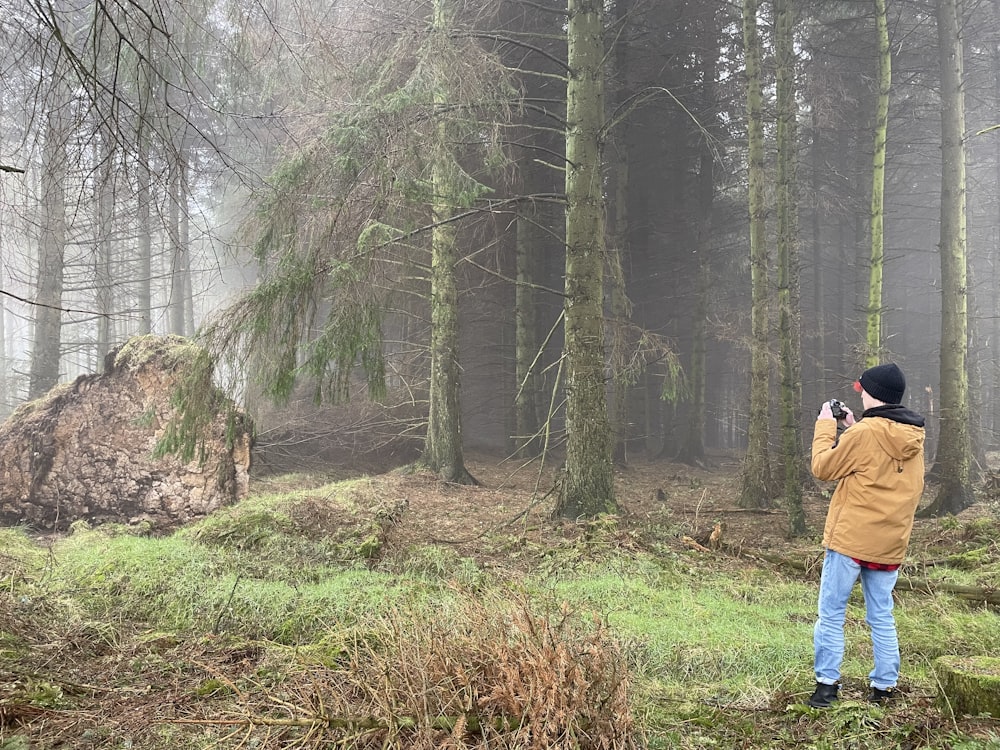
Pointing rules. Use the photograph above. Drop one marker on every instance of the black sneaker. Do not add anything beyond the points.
(877, 695)
(824, 695)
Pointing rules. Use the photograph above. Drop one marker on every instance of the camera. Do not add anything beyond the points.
(837, 407)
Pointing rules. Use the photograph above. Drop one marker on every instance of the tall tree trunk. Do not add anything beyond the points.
(45, 353)
(536, 242)
(873, 327)
(621, 378)
(443, 446)
(693, 446)
(527, 412)
(755, 479)
(844, 285)
(953, 463)
(187, 281)
(178, 256)
(143, 196)
(5, 368)
(103, 276)
(992, 422)
(819, 296)
(788, 327)
(588, 485)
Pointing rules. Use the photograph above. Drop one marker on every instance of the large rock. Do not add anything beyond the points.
(86, 450)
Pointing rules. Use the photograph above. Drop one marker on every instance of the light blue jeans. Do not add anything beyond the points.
(840, 573)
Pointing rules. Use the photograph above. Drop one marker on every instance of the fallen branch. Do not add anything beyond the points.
(689, 542)
(984, 594)
(798, 566)
(18, 674)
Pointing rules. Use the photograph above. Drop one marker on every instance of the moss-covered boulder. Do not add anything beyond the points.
(970, 684)
(92, 449)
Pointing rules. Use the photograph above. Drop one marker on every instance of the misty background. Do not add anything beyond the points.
(149, 148)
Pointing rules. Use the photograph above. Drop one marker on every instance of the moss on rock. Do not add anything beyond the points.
(170, 350)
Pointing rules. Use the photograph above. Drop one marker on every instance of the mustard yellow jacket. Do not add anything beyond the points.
(879, 462)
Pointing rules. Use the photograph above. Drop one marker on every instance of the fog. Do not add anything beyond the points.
(149, 155)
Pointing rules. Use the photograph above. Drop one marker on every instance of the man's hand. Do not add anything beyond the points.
(826, 413)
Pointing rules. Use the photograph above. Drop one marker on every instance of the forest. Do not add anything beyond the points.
(647, 229)
(530, 291)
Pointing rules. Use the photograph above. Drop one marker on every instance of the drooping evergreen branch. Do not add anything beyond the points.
(505, 39)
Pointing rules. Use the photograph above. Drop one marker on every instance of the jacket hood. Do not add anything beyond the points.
(898, 430)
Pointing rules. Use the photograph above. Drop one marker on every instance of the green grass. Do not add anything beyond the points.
(18, 551)
(719, 653)
(710, 649)
(179, 583)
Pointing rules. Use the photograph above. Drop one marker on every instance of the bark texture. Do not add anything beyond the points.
(953, 463)
(755, 480)
(790, 345)
(46, 349)
(873, 336)
(588, 489)
(85, 450)
(443, 448)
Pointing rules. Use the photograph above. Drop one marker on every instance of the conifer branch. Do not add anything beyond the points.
(517, 43)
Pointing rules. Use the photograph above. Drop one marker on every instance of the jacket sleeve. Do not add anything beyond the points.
(831, 459)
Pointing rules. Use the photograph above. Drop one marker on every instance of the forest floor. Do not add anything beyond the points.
(689, 501)
(72, 676)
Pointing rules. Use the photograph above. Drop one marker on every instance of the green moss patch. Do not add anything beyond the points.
(970, 684)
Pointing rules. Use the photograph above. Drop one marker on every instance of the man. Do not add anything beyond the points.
(879, 462)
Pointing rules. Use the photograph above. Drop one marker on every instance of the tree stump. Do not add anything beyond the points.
(970, 684)
(87, 450)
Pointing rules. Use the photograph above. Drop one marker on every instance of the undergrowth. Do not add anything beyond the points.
(286, 621)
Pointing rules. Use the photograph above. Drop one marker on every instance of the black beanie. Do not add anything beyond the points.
(884, 382)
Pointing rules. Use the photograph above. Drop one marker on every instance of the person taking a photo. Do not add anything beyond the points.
(878, 464)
